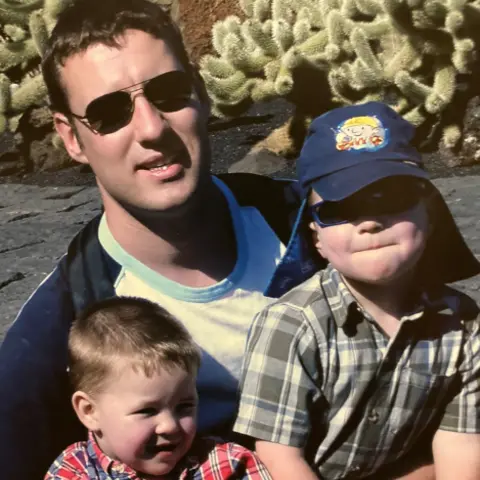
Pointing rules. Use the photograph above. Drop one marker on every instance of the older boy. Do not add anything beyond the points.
(346, 373)
(133, 369)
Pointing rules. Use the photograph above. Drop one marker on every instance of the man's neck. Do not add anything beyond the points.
(386, 304)
(196, 249)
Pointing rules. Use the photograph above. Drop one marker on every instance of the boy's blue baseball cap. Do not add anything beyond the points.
(348, 148)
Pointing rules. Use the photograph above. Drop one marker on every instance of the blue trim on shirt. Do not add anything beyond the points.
(174, 289)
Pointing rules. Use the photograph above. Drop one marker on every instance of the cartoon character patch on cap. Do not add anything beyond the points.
(361, 133)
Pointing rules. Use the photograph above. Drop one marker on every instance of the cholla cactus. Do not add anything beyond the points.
(417, 55)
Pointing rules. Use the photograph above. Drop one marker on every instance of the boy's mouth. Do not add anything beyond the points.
(164, 447)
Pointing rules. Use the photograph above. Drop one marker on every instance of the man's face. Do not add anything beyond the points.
(375, 249)
(159, 159)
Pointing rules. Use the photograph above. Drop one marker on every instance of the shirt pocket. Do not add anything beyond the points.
(417, 399)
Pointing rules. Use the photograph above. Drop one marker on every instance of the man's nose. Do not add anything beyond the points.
(149, 123)
(167, 424)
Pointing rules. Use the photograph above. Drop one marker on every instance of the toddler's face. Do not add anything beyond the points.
(373, 248)
(147, 423)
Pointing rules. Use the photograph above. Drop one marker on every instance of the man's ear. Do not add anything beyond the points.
(86, 410)
(69, 136)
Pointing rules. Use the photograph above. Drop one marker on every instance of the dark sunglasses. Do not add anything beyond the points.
(382, 198)
(168, 92)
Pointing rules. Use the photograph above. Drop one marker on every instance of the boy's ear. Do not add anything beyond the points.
(86, 410)
(316, 237)
(69, 135)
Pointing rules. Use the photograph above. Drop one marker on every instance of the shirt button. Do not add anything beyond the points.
(373, 416)
(355, 468)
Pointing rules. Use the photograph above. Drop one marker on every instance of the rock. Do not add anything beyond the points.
(45, 156)
(263, 162)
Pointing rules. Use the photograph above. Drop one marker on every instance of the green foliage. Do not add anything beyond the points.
(318, 54)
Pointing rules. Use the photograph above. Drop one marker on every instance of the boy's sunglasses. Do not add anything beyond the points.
(168, 92)
(381, 198)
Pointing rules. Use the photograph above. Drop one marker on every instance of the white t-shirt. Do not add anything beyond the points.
(218, 317)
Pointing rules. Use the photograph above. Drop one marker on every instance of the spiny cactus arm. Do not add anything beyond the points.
(362, 77)
(251, 62)
(335, 27)
(15, 32)
(373, 30)
(282, 34)
(262, 10)
(282, 10)
(365, 54)
(247, 7)
(339, 85)
(263, 90)
(8, 16)
(14, 53)
(369, 7)
(407, 58)
(217, 67)
(12, 122)
(465, 55)
(31, 92)
(39, 32)
(223, 88)
(4, 93)
(444, 85)
(451, 135)
(3, 123)
(221, 29)
(315, 44)
(253, 29)
(416, 116)
(412, 88)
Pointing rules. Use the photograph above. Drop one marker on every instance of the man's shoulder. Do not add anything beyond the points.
(43, 313)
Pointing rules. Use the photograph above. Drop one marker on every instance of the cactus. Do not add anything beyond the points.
(408, 53)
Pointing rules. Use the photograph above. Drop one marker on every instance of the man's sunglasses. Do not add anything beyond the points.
(388, 197)
(168, 92)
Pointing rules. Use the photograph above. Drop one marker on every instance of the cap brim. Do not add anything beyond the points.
(346, 182)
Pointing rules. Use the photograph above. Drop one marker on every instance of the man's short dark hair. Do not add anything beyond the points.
(84, 23)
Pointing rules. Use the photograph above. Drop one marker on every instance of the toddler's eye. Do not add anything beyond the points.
(147, 411)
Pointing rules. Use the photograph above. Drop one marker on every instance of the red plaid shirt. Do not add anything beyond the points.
(207, 460)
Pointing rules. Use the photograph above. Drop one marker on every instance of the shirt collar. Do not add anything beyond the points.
(119, 471)
(111, 467)
(344, 306)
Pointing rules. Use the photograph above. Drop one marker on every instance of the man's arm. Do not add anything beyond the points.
(284, 462)
(456, 455)
(36, 418)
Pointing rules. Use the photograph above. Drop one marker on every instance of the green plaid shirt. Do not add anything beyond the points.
(319, 374)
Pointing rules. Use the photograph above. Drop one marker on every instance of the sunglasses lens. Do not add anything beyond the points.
(110, 112)
(331, 213)
(383, 198)
(169, 92)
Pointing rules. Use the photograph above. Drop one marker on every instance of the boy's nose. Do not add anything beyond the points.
(370, 226)
(167, 424)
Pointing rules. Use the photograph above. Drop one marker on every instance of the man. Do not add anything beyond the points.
(212, 251)
(127, 102)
